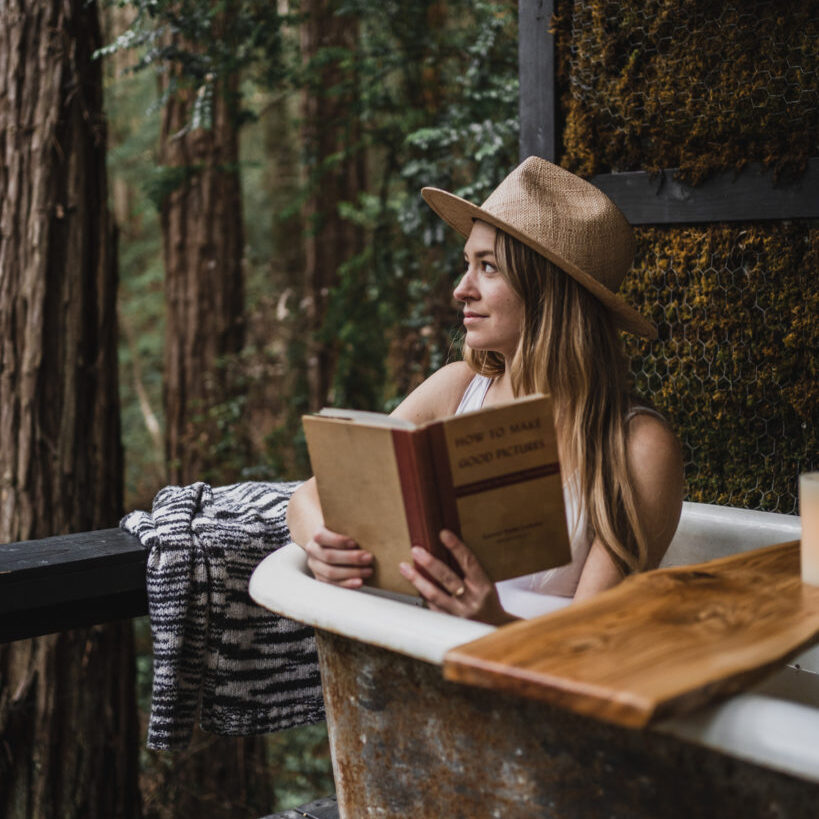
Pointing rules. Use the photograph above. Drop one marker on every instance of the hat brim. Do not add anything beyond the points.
(460, 214)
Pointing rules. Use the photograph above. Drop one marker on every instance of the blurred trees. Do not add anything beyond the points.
(203, 246)
(437, 106)
(329, 280)
(335, 169)
(68, 727)
(347, 108)
(200, 51)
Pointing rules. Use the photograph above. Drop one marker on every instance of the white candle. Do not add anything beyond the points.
(809, 512)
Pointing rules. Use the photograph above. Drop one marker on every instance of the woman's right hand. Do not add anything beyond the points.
(337, 559)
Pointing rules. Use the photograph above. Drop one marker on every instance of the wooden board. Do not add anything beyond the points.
(753, 194)
(69, 581)
(659, 644)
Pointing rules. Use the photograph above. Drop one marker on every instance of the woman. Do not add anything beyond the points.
(543, 258)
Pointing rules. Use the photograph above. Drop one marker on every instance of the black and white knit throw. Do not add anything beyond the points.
(248, 669)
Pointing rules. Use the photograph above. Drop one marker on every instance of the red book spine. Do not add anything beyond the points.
(445, 491)
(415, 475)
(446, 507)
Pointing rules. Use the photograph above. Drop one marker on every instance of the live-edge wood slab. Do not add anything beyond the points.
(659, 644)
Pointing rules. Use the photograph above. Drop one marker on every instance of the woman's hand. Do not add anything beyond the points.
(337, 559)
(474, 596)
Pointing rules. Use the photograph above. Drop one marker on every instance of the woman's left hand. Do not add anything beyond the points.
(474, 596)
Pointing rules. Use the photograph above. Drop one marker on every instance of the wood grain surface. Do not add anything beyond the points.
(659, 644)
(70, 581)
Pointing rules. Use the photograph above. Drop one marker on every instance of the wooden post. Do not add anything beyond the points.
(538, 134)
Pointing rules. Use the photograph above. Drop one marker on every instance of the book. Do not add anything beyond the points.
(492, 476)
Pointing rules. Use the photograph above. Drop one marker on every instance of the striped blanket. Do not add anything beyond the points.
(249, 670)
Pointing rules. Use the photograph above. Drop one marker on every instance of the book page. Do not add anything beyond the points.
(507, 488)
(360, 491)
(378, 419)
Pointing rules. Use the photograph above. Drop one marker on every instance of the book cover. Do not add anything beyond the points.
(492, 476)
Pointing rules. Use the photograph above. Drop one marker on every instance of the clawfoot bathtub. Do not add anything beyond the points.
(405, 742)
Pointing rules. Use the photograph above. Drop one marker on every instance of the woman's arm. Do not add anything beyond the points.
(304, 512)
(336, 558)
(656, 469)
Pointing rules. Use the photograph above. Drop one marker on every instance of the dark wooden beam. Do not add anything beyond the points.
(748, 196)
(69, 581)
(537, 80)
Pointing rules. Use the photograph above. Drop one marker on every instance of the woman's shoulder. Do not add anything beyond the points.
(438, 395)
(655, 467)
(654, 451)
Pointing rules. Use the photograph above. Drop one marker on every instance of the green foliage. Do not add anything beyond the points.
(434, 87)
(165, 179)
(438, 106)
(202, 46)
(300, 760)
(433, 90)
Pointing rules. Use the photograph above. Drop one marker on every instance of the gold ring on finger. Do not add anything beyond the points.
(459, 592)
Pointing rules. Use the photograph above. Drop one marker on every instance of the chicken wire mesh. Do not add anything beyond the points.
(735, 366)
(693, 84)
(703, 87)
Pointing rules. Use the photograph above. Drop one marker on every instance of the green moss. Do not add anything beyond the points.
(735, 368)
(650, 84)
(705, 87)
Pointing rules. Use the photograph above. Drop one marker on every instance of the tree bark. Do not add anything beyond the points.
(203, 244)
(336, 173)
(203, 247)
(68, 727)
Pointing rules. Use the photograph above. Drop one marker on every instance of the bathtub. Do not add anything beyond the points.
(406, 742)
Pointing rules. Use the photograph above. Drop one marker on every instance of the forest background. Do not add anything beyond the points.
(325, 279)
(260, 210)
(343, 111)
(210, 224)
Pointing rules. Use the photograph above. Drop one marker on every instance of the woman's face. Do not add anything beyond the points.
(493, 312)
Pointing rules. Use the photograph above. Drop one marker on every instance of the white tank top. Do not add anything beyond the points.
(474, 394)
(561, 581)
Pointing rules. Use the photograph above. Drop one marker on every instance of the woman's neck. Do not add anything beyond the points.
(500, 390)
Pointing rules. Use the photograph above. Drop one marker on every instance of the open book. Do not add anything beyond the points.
(491, 476)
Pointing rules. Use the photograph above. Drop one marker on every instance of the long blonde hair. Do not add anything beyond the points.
(569, 348)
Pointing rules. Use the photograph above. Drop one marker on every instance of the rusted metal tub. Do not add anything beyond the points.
(405, 742)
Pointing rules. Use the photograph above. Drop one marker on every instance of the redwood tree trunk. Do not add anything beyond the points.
(335, 166)
(203, 246)
(203, 243)
(68, 728)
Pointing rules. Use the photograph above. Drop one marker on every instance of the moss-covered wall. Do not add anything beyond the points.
(710, 86)
(735, 367)
(690, 84)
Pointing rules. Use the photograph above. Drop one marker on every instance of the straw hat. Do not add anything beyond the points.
(565, 219)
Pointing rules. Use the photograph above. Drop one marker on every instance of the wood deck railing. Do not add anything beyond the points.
(69, 581)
